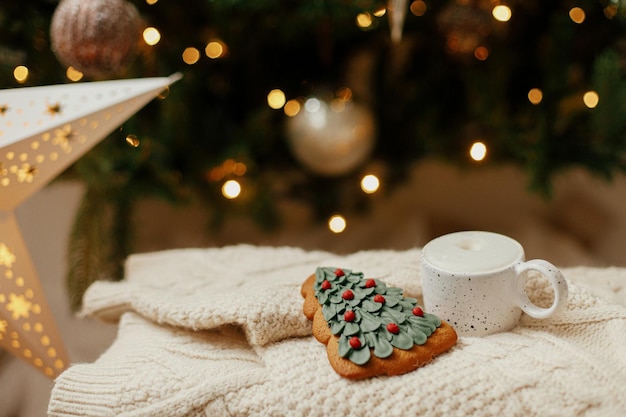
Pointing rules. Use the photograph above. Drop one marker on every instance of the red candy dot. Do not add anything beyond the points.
(355, 342)
(326, 284)
(349, 316)
(379, 298)
(393, 328)
(347, 295)
(370, 283)
(417, 311)
(339, 272)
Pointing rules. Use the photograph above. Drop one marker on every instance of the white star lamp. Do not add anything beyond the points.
(43, 130)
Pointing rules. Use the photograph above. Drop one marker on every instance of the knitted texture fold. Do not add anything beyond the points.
(218, 332)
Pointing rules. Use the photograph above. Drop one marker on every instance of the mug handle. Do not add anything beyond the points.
(553, 275)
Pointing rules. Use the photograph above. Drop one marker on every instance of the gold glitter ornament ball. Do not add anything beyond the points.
(97, 37)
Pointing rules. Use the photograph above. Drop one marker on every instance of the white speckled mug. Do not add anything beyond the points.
(476, 281)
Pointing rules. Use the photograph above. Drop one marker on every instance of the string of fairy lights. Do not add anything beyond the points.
(216, 48)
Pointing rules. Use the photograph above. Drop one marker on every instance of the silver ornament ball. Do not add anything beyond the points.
(331, 138)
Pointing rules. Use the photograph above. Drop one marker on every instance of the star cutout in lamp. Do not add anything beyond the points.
(43, 130)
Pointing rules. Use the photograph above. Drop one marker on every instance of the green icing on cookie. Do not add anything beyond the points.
(367, 315)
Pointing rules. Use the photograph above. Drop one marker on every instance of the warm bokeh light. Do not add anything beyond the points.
(535, 95)
(73, 74)
(591, 99)
(132, 140)
(610, 11)
(502, 13)
(337, 105)
(151, 2)
(370, 184)
(276, 99)
(418, 8)
(481, 53)
(191, 55)
(364, 20)
(151, 36)
(164, 93)
(478, 151)
(228, 167)
(231, 189)
(20, 73)
(292, 108)
(344, 93)
(381, 11)
(337, 223)
(239, 169)
(577, 15)
(215, 49)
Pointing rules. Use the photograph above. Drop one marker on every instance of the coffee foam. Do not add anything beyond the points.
(472, 252)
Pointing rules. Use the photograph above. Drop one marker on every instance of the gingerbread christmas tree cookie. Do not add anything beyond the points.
(369, 328)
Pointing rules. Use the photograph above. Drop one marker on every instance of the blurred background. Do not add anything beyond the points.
(340, 126)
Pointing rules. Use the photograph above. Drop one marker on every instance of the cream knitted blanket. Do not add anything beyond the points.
(220, 332)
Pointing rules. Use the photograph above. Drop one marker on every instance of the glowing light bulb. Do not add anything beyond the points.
(151, 36)
(501, 13)
(337, 224)
(191, 55)
(591, 99)
(478, 151)
(370, 184)
(276, 99)
(231, 189)
(151, 2)
(20, 73)
(535, 95)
